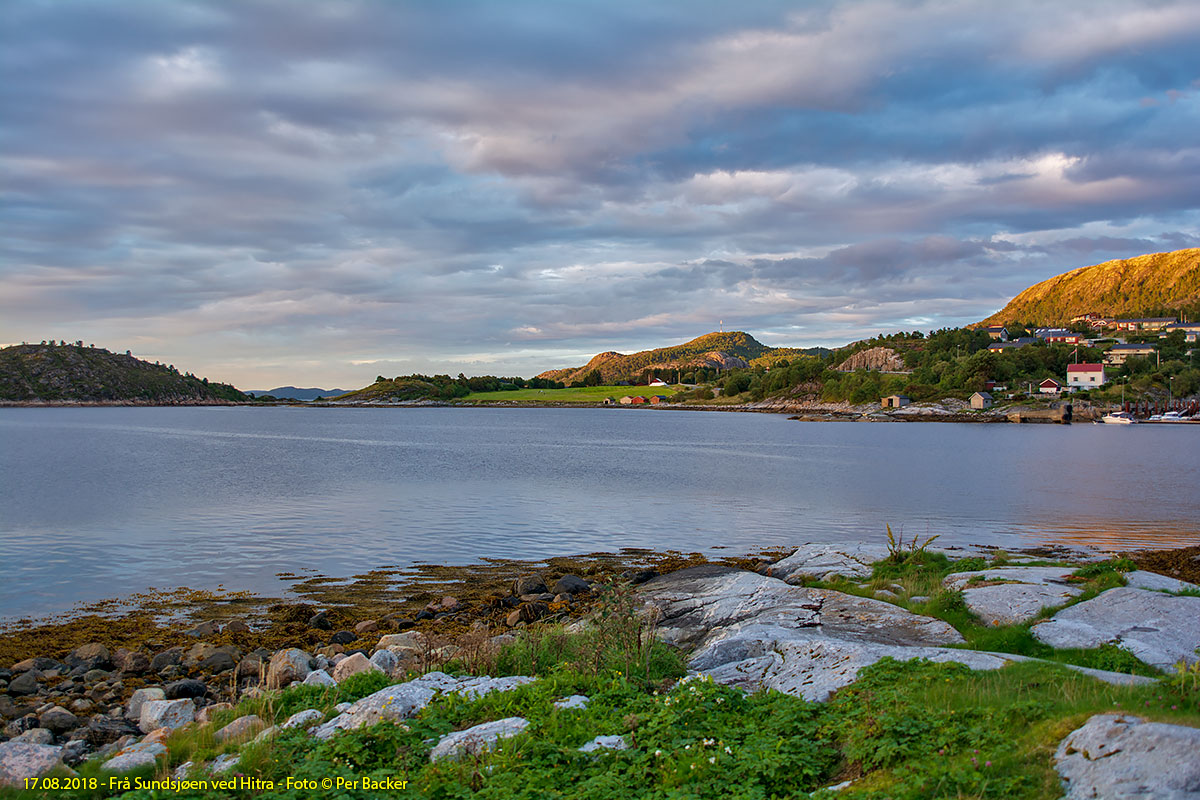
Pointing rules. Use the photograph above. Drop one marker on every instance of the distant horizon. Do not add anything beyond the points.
(286, 192)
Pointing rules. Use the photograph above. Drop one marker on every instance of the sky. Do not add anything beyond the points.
(272, 192)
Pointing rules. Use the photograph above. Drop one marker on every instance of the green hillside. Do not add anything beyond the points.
(394, 390)
(74, 373)
(1158, 284)
(719, 351)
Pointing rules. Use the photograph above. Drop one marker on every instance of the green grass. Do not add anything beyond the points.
(588, 394)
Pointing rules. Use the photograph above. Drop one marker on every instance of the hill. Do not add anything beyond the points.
(400, 389)
(293, 393)
(1158, 284)
(74, 373)
(717, 351)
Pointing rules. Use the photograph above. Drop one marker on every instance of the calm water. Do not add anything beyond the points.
(102, 502)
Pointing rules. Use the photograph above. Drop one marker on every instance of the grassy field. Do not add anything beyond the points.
(589, 394)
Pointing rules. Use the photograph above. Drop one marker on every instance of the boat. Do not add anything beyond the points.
(1119, 418)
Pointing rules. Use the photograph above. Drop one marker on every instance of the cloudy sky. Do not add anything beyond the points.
(273, 192)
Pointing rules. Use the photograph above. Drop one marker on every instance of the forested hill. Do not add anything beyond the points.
(59, 372)
(1158, 284)
(720, 351)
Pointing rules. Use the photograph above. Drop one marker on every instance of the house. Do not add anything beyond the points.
(1085, 376)
(658, 399)
(1143, 323)
(638, 400)
(610, 401)
(894, 401)
(1191, 330)
(997, 332)
(1058, 335)
(1118, 353)
(626, 400)
(658, 382)
(981, 400)
(1050, 386)
(1015, 344)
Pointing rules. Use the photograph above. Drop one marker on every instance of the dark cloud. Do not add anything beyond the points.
(280, 191)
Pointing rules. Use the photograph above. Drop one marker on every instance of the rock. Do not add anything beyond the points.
(1037, 576)
(218, 662)
(237, 626)
(206, 628)
(319, 677)
(82, 706)
(188, 687)
(574, 701)
(366, 626)
(401, 701)
(1031, 590)
(544, 597)
(59, 720)
(133, 662)
(74, 751)
(571, 584)
(224, 763)
(170, 714)
(26, 683)
(303, 719)
(90, 656)
(1141, 579)
(205, 715)
(320, 620)
(385, 660)
(252, 667)
(21, 760)
(1115, 756)
(240, 728)
(287, 666)
(413, 640)
(886, 594)
(636, 577)
(95, 675)
(477, 739)
(266, 733)
(167, 658)
(36, 736)
(819, 561)
(352, 666)
(1160, 629)
(134, 708)
(183, 770)
(342, 637)
(605, 743)
(135, 756)
(39, 663)
(528, 584)
(513, 619)
(528, 612)
(101, 730)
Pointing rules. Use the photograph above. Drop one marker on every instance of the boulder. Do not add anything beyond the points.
(352, 666)
(206, 628)
(385, 660)
(135, 756)
(1116, 756)
(1037, 576)
(133, 662)
(58, 720)
(237, 626)
(366, 626)
(101, 730)
(133, 710)
(401, 701)
(529, 584)
(90, 656)
(170, 714)
(1021, 597)
(575, 701)
(220, 661)
(224, 763)
(319, 677)
(571, 584)
(320, 620)
(205, 715)
(172, 657)
(818, 561)
(477, 739)
(240, 728)
(39, 663)
(1141, 579)
(342, 637)
(287, 666)
(188, 687)
(303, 719)
(1160, 629)
(26, 683)
(36, 736)
(21, 760)
(605, 743)
(413, 640)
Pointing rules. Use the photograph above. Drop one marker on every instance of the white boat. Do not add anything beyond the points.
(1119, 418)
(1172, 416)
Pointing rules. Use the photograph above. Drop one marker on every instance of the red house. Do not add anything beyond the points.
(1049, 386)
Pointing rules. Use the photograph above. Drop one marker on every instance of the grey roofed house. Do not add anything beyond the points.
(981, 400)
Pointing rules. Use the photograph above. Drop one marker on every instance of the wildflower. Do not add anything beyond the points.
(712, 759)
(727, 750)
(687, 747)
(987, 763)
(658, 752)
(709, 742)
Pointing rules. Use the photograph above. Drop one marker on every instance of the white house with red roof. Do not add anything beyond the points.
(1049, 386)
(1085, 376)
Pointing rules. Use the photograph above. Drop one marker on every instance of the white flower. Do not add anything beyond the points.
(727, 750)
(712, 759)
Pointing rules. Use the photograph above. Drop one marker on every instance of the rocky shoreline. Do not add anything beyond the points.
(765, 623)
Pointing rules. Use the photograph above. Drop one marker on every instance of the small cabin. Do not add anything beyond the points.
(658, 399)
(638, 400)
(894, 401)
(1050, 386)
(981, 400)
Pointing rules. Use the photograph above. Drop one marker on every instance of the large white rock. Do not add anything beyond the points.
(133, 710)
(816, 561)
(21, 760)
(403, 700)
(135, 756)
(1037, 576)
(319, 677)
(605, 743)
(1120, 757)
(303, 719)
(1142, 579)
(1158, 628)
(386, 660)
(170, 714)
(240, 728)
(477, 739)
